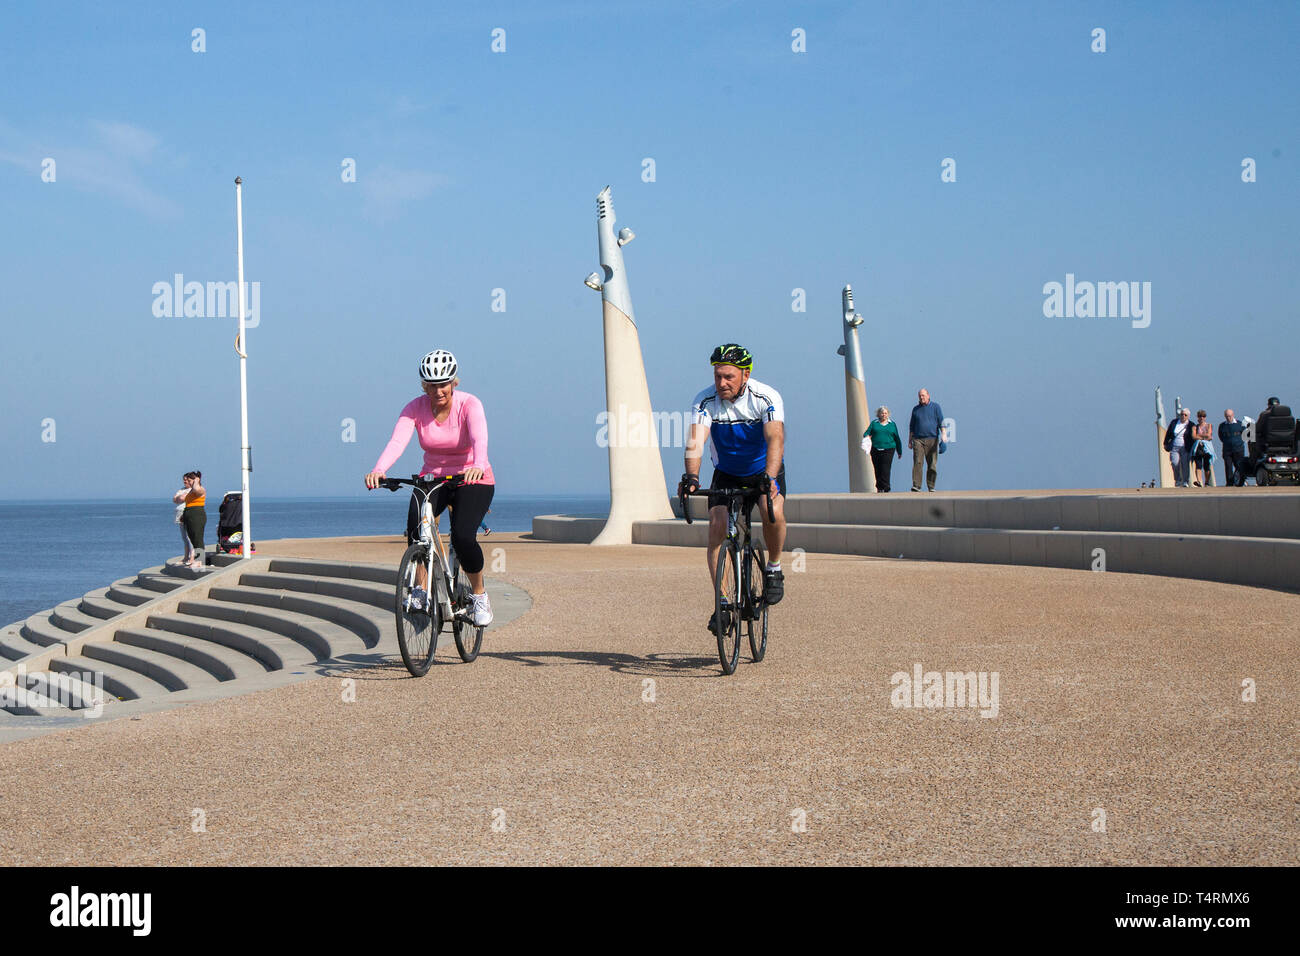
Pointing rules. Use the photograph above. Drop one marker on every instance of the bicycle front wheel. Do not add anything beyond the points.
(727, 608)
(417, 630)
(756, 605)
(469, 638)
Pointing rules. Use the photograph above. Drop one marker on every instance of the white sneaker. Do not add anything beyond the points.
(482, 610)
(415, 601)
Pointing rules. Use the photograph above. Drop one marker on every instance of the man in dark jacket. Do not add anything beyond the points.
(1234, 449)
(1179, 442)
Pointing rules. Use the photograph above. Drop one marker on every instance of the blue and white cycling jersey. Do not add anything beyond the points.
(737, 445)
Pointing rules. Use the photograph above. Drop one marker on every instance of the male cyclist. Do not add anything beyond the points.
(745, 421)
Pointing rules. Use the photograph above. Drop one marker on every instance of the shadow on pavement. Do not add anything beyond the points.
(619, 663)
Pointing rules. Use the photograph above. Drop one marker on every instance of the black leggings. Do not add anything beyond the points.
(469, 504)
(882, 460)
(194, 521)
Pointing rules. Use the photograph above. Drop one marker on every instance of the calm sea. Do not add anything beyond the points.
(51, 552)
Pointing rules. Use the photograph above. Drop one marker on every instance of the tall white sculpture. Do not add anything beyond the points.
(637, 491)
(1166, 470)
(862, 474)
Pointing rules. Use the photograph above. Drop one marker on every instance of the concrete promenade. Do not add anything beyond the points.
(1119, 695)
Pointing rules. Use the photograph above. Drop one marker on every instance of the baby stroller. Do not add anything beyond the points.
(230, 524)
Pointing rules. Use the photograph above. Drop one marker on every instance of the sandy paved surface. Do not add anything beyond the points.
(1118, 692)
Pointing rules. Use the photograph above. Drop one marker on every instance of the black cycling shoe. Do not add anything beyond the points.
(773, 587)
(726, 620)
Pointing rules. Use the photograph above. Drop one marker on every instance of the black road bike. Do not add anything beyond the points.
(738, 589)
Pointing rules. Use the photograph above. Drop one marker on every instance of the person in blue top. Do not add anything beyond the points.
(924, 433)
(744, 422)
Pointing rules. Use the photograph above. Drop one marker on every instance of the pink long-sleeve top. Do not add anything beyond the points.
(450, 447)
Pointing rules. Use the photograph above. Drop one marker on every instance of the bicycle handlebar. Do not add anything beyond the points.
(420, 481)
(726, 493)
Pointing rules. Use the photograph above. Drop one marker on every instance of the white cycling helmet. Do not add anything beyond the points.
(438, 366)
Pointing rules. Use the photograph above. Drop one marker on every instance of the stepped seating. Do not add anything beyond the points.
(168, 630)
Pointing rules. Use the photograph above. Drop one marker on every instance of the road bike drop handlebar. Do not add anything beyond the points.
(725, 493)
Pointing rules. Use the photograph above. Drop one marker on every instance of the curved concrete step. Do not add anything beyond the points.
(64, 692)
(40, 630)
(366, 592)
(321, 636)
(121, 682)
(172, 672)
(274, 651)
(67, 617)
(222, 662)
(183, 573)
(14, 646)
(126, 591)
(98, 604)
(35, 704)
(364, 620)
(378, 574)
(152, 579)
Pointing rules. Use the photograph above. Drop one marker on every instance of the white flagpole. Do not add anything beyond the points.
(246, 458)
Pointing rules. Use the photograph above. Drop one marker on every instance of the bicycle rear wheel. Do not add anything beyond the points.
(417, 631)
(727, 607)
(756, 605)
(469, 638)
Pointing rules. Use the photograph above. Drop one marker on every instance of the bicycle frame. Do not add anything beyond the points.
(445, 558)
(739, 504)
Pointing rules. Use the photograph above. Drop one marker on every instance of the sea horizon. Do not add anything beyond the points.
(56, 550)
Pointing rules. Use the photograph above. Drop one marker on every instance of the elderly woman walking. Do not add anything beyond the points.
(881, 439)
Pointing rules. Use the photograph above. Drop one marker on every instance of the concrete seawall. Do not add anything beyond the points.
(1236, 536)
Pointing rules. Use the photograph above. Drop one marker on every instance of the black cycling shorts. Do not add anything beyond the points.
(722, 479)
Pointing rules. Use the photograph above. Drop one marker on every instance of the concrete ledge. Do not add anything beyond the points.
(570, 529)
(1248, 512)
(1258, 562)
(1234, 535)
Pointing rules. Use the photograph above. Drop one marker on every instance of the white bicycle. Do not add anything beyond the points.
(445, 600)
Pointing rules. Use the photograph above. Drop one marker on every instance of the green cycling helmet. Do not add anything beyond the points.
(732, 354)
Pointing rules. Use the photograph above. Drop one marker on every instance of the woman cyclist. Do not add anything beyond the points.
(453, 433)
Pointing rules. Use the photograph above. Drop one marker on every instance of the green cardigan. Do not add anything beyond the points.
(883, 436)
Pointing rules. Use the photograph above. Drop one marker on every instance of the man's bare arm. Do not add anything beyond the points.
(699, 434)
(774, 432)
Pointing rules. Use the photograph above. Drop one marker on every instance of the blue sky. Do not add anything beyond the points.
(774, 170)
